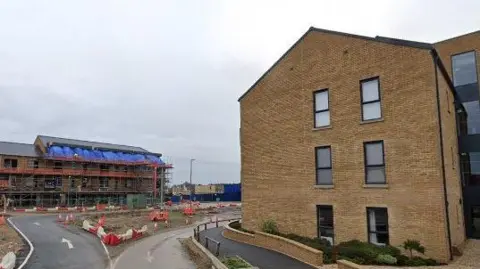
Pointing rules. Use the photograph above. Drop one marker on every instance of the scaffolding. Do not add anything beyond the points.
(49, 182)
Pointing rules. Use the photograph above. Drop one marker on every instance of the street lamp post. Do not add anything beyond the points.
(191, 185)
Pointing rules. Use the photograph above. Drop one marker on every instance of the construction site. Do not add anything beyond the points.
(62, 172)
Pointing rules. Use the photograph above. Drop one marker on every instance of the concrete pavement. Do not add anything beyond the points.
(157, 251)
(85, 250)
(162, 251)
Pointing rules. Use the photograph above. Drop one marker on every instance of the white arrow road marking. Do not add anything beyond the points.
(149, 257)
(36, 223)
(69, 243)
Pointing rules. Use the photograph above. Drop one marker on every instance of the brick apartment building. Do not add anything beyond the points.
(377, 139)
(56, 171)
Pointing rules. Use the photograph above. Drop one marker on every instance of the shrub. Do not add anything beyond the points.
(416, 261)
(411, 245)
(386, 259)
(238, 226)
(432, 262)
(235, 263)
(270, 226)
(402, 260)
(367, 251)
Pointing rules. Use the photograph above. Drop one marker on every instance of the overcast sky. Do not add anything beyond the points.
(167, 75)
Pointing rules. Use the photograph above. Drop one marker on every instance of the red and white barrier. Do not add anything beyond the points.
(8, 261)
(111, 238)
(180, 207)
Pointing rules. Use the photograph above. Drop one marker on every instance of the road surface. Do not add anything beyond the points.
(60, 247)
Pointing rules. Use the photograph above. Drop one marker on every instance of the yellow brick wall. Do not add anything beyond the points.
(278, 141)
(446, 49)
(452, 163)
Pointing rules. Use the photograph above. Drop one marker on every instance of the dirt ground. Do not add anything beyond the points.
(10, 240)
(119, 223)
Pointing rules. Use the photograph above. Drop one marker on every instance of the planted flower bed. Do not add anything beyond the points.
(355, 251)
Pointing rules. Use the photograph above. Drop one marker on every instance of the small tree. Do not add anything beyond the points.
(411, 245)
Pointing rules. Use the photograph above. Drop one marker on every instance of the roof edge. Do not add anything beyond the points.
(458, 36)
(444, 72)
(381, 39)
(274, 64)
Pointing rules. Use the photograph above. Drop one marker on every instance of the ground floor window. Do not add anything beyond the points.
(377, 220)
(325, 222)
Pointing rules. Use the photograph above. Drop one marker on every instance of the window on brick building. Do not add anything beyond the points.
(374, 162)
(464, 68)
(10, 163)
(103, 182)
(377, 221)
(323, 160)
(321, 108)
(371, 102)
(325, 222)
(32, 164)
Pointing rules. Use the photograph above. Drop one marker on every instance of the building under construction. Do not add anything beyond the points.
(57, 171)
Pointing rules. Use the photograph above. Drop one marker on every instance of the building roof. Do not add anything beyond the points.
(387, 40)
(46, 140)
(18, 149)
(459, 36)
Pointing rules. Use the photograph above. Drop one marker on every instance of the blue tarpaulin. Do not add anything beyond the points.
(86, 154)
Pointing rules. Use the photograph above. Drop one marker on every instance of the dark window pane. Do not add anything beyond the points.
(378, 225)
(382, 239)
(473, 116)
(374, 152)
(325, 216)
(323, 158)
(464, 69)
(321, 100)
(471, 168)
(324, 176)
(325, 222)
(370, 91)
(327, 232)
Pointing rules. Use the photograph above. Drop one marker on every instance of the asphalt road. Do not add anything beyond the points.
(256, 256)
(51, 253)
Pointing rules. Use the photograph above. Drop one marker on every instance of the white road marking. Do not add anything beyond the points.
(26, 239)
(149, 257)
(110, 264)
(36, 223)
(69, 243)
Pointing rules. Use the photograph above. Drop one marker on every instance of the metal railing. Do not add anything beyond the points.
(217, 245)
(196, 234)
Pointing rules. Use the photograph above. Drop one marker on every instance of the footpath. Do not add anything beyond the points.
(256, 256)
